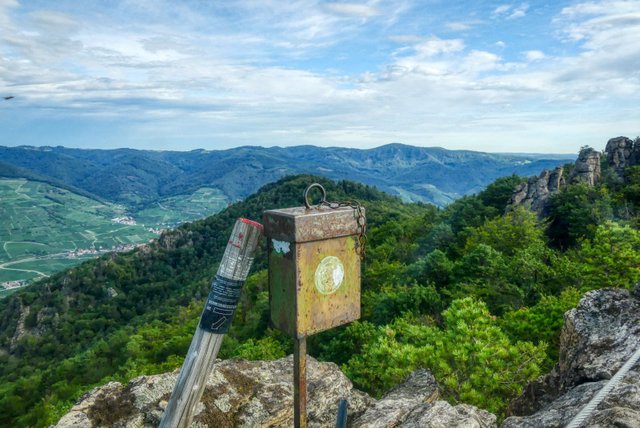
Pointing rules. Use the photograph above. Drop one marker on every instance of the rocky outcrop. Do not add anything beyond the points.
(413, 404)
(20, 327)
(598, 337)
(621, 152)
(238, 394)
(259, 393)
(587, 167)
(534, 194)
(394, 407)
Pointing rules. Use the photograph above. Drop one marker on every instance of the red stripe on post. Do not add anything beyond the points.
(252, 223)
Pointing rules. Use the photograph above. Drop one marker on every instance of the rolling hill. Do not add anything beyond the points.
(138, 178)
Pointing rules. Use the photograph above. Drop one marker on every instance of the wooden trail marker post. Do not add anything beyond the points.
(314, 274)
(214, 324)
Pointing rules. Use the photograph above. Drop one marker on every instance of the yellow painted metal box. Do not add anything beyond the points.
(314, 267)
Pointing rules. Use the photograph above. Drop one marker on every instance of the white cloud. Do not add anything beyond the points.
(459, 26)
(353, 10)
(519, 11)
(534, 55)
(196, 80)
(502, 9)
(509, 11)
(405, 38)
(436, 46)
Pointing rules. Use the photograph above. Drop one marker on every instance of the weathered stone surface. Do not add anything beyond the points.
(621, 408)
(598, 337)
(536, 191)
(587, 167)
(238, 394)
(621, 153)
(420, 387)
(443, 415)
(413, 404)
(259, 393)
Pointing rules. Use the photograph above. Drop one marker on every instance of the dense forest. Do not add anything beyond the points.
(138, 178)
(474, 292)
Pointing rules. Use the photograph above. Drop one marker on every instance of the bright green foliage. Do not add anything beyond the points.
(497, 194)
(534, 271)
(612, 259)
(467, 212)
(388, 302)
(266, 348)
(476, 361)
(509, 233)
(472, 359)
(576, 212)
(340, 344)
(541, 322)
(483, 273)
(631, 189)
(435, 267)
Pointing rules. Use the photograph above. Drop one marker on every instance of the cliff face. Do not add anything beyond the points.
(620, 153)
(534, 194)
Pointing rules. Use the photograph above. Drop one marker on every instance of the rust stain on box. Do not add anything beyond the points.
(314, 268)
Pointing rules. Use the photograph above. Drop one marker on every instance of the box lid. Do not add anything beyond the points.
(301, 224)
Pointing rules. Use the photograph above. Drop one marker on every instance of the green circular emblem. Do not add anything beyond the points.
(329, 275)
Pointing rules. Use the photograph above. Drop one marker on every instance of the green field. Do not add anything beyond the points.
(170, 212)
(42, 226)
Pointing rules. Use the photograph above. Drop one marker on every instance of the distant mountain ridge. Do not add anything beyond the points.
(139, 177)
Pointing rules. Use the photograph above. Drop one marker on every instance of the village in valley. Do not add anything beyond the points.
(77, 253)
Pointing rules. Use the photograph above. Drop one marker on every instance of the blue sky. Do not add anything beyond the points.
(494, 76)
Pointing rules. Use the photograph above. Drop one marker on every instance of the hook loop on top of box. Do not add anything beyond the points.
(306, 195)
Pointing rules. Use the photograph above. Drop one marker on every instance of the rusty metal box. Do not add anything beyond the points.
(314, 268)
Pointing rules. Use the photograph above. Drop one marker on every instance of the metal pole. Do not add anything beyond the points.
(214, 324)
(341, 420)
(300, 383)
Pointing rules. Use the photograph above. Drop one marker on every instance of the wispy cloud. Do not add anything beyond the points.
(461, 26)
(353, 10)
(502, 9)
(509, 11)
(360, 74)
(534, 55)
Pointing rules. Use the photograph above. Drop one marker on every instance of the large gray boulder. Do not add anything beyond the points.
(239, 393)
(598, 337)
(414, 404)
(587, 167)
(621, 153)
(259, 394)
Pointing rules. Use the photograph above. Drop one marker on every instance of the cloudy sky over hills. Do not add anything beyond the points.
(531, 76)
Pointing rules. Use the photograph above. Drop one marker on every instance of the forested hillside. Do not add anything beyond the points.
(138, 178)
(474, 294)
